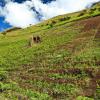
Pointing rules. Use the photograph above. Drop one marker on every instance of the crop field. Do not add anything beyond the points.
(58, 59)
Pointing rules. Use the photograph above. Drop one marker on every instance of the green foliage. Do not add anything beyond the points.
(3, 75)
(64, 18)
(6, 86)
(37, 96)
(81, 14)
(4, 33)
(61, 66)
(83, 98)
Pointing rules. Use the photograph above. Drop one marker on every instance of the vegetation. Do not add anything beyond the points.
(65, 65)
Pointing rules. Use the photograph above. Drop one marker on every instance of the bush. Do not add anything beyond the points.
(98, 9)
(50, 26)
(93, 9)
(3, 33)
(81, 14)
(53, 22)
(64, 18)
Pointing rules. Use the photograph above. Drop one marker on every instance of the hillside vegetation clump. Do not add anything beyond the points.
(58, 59)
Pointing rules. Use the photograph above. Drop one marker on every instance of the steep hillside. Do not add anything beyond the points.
(58, 59)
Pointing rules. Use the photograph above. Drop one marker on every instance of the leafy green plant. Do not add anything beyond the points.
(83, 98)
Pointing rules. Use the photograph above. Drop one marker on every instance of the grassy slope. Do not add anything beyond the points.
(65, 65)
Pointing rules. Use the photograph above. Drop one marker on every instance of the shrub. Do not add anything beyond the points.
(81, 14)
(98, 9)
(53, 22)
(50, 26)
(3, 33)
(93, 9)
(64, 18)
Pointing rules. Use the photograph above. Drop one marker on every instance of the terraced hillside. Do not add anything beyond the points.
(63, 65)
